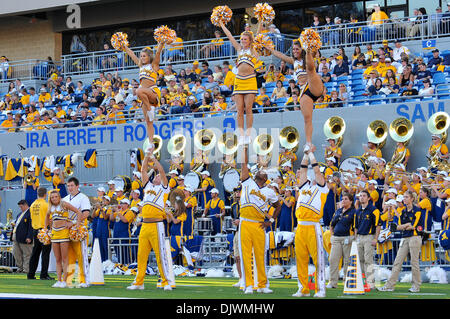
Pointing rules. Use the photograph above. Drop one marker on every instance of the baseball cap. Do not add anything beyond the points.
(181, 177)
(387, 60)
(195, 63)
(174, 171)
(73, 113)
(435, 50)
(119, 189)
(214, 190)
(444, 173)
(399, 198)
(137, 191)
(205, 173)
(106, 197)
(110, 182)
(288, 163)
(372, 181)
(339, 57)
(125, 201)
(189, 188)
(385, 41)
(55, 168)
(391, 202)
(331, 158)
(392, 190)
(101, 189)
(134, 209)
(137, 174)
(423, 169)
(375, 60)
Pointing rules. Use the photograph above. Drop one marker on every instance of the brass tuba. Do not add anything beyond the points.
(438, 123)
(176, 144)
(400, 130)
(377, 132)
(334, 128)
(263, 144)
(205, 139)
(289, 137)
(228, 143)
(157, 142)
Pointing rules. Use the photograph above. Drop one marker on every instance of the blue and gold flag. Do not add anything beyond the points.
(90, 158)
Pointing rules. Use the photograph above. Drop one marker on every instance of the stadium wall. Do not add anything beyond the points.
(24, 38)
(114, 143)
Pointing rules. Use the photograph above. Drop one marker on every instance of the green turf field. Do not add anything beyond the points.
(201, 288)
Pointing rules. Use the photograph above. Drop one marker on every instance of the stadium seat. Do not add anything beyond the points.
(343, 78)
(439, 78)
(357, 72)
(281, 101)
(270, 85)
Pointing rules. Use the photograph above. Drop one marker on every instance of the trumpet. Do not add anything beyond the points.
(29, 178)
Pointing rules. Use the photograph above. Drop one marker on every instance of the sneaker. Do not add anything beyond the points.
(330, 286)
(413, 289)
(248, 290)
(237, 285)
(167, 287)
(384, 288)
(57, 284)
(136, 287)
(264, 290)
(320, 294)
(63, 284)
(83, 285)
(300, 294)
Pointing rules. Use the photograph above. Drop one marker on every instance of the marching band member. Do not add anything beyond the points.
(119, 195)
(390, 208)
(245, 85)
(58, 217)
(333, 150)
(367, 229)
(308, 237)
(406, 223)
(341, 228)
(31, 187)
(335, 189)
(97, 207)
(331, 166)
(200, 159)
(287, 214)
(111, 189)
(103, 228)
(205, 191)
(416, 183)
(255, 198)
(428, 249)
(176, 163)
(310, 82)
(78, 249)
(288, 174)
(152, 231)
(286, 155)
(135, 197)
(58, 181)
(372, 150)
(228, 163)
(235, 210)
(137, 184)
(438, 149)
(177, 218)
(148, 92)
(123, 217)
(215, 209)
(173, 180)
(190, 202)
(180, 182)
(373, 192)
(402, 151)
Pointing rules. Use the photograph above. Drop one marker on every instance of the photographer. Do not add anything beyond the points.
(341, 230)
(408, 223)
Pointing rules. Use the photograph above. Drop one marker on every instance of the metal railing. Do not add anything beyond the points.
(32, 69)
(403, 29)
(187, 52)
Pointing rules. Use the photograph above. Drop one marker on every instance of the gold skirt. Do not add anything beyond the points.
(60, 235)
(245, 84)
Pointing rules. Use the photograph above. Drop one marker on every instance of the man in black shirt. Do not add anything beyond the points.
(422, 72)
(435, 60)
(341, 68)
(410, 91)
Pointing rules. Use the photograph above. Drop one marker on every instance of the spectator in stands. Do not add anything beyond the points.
(355, 30)
(267, 103)
(211, 83)
(333, 61)
(269, 76)
(341, 52)
(316, 22)
(359, 62)
(19, 85)
(205, 70)
(389, 74)
(388, 67)
(60, 111)
(8, 123)
(343, 94)
(391, 86)
(4, 67)
(57, 97)
(174, 50)
(44, 97)
(294, 100)
(422, 73)
(387, 50)
(73, 122)
(326, 76)
(446, 61)
(427, 89)
(11, 87)
(410, 90)
(336, 34)
(323, 62)
(406, 77)
(398, 50)
(375, 89)
(16, 104)
(356, 52)
(262, 94)
(292, 85)
(435, 60)
(328, 25)
(373, 76)
(334, 100)
(198, 87)
(341, 68)
(417, 25)
(378, 17)
(34, 98)
(445, 22)
(279, 92)
(84, 118)
(284, 68)
(370, 53)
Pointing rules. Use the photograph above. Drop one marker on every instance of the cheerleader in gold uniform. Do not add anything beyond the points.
(58, 218)
(148, 92)
(245, 85)
(309, 81)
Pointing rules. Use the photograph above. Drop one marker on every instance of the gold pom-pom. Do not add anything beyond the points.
(264, 12)
(44, 236)
(119, 40)
(310, 40)
(164, 34)
(78, 232)
(262, 43)
(221, 13)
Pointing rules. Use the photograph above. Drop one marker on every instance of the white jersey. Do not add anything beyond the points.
(254, 196)
(312, 196)
(299, 70)
(79, 201)
(154, 195)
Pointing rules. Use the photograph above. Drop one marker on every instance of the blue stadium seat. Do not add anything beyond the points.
(281, 101)
(357, 72)
(270, 85)
(357, 82)
(439, 78)
(343, 78)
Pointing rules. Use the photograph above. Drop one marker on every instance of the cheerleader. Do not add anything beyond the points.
(148, 92)
(58, 217)
(309, 81)
(245, 85)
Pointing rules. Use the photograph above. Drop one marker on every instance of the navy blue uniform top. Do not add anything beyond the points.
(412, 217)
(367, 219)
(343, 221)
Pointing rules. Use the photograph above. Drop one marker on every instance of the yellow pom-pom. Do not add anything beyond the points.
(262, 44)
(119, 40)
(264, 12)
(78, 233)
(221, 13)
(310, 40)
(164, 34)
(44, 236)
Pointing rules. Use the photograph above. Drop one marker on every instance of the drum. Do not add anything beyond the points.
(227, 225)
(353, 162)
(231, 180)
(122, 181)
(203, 226)
(193, 179)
